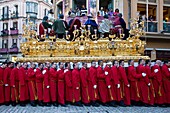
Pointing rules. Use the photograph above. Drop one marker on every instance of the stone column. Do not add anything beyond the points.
(133, 8)
(160, 15)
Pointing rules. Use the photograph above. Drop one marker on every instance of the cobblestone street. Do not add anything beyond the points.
(73, 109)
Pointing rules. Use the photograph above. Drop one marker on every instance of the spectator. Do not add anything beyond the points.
(101, 12)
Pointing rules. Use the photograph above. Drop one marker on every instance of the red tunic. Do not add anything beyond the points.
(143, 85)
(110, 91)
(115, 81)
(102, 87)
(151, 89)
(46, 93)
(14, 85)
(123, 84)
(84, 85)
(76, 85)
(92, 80)
(31, 84)
(158, 86)
(39, 84)
(7, 73)
(69, 86)
(1, 86)
(166, 82)
(61, 86)
(134, 84)
(23, 84)
(53, 84)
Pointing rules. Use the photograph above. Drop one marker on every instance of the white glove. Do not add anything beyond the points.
(48, 86)
(43, 72)
(149, 84)
(169, 69)
(35, 70)
(13, 86)
(128, 85)
(144, 74)
(65, 70)
(106, 73)
(109, 86)
(6, 85)
(59, 69)
(118, 85)
(95, 86)
(156, 70)
(77, 87)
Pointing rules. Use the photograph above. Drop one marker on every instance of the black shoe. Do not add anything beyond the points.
(13, 104)
(22, 104)
(63, 105)
(122, 104)
(113, 104)
(7, 103)
(55, 104)
(87, 104)
(95, 104)
(105, 104)
(78, 104)
(47, 104)
(40, 103)
(33, 104)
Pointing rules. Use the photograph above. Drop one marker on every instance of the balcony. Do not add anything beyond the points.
(14, 15)
(5, 17)
(10, 50)
(151, 26)
(14, 31)
(4, 32)
(166, 27)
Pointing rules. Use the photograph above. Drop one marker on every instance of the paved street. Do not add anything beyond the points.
(73, 109)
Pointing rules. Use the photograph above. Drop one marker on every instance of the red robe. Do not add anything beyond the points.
(166, 82)
(69, 86)
(1, 86)
(46, 93)
(134, 84)
(76, 84)
(31, 84)
(7, 94)
(14, 82)
(61, 86)
(110, 91)
(158, 86)
(143, 85)
(92, 80)
(123, 84)
(102, 87)
(115, 81)
(53, 84)
(39, 84)
(84, 85)
(23, 84)
(151, 90)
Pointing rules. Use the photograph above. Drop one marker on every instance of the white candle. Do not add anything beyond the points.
(75, 27)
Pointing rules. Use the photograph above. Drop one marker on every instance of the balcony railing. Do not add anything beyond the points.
(14, 32)
(151, 26)
(10, 50)
(5, 16)
(166, 27)
(4, 32)
(14, 15)
(3, 50)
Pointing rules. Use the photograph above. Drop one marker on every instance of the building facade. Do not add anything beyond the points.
(13, 14)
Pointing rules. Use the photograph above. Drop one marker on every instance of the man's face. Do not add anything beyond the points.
(116, 63)
(132, 62)
(122, 63)
(76, 66)
(85, 65)
(41, 66)
(19, 64)
(143, 62)
(101, 63)
(11, 65)
(33, 66)
(93, 64)
(5, 65)
(25, 65)
(69, 66)
(48, 64)
(61, 66)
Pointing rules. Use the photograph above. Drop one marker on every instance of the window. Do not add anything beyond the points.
(5, 43)
(5, 12)
(148, 12)
(14, 43)
(31, 7)
(15, 12)
(5, 26)
(45, 12)
(15, 25)
(166, 16)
